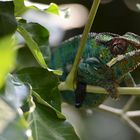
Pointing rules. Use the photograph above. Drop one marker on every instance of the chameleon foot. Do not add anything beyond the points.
(113, 92)
(80, 94)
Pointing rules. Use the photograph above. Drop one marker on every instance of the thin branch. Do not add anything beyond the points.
(129, 103)
(131, 123)
(129, 81)
(95, 89)
(71, 76)
(110, 109)
(117, 111)
(133, 114)
(123, 115)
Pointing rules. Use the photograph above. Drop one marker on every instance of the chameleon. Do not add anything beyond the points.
(105, 62)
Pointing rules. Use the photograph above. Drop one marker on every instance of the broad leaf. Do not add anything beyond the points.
(34, 44)
(44, 85)
(7, 57)
(45, 125)
(8, 23)
(19, 7)
(25, 58)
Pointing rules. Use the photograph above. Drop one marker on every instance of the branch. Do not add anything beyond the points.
(124, 115)
(71, 76)
(95, 89)
(131, 123)
(133, 114)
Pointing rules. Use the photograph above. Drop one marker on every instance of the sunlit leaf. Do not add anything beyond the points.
(53, 9)
(7, 57)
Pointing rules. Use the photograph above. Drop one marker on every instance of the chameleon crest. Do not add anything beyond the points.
(106, 60)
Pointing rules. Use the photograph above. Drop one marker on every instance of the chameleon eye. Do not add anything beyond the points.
(118, 46)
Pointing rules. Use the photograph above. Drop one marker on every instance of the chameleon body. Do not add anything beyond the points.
(98, 65)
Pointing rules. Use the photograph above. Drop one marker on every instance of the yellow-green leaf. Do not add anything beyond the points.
(7, 57)
(53, 9)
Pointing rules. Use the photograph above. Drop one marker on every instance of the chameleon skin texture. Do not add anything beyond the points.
(96, 66)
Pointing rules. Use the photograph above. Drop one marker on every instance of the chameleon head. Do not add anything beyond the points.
(124, 50)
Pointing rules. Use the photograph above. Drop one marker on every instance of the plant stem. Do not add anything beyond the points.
(95, 89)
(129, 81)
(70, 80)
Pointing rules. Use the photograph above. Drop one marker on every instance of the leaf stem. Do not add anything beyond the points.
(71, 77)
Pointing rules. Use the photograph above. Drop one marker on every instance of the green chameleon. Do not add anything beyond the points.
(106, 61)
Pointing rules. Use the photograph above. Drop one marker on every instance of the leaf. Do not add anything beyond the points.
(7, 57)
(41, 36)
(46, 125)
(53, 9)
(34, 46)
(15, 91)
(25, 58)
(45, 85)
(20, 8)
(8, 22)
(12, 125)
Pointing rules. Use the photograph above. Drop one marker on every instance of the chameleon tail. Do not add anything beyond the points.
(80, 94)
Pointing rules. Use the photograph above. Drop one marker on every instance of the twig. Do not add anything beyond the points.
(131, 123)
(110, 109)
(118, 112)
(95, 89)
(133, 114)
(70, 80)
(129, 81)
(124, 115)
(129, 103)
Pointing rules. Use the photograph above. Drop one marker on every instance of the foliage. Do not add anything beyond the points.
(30, 99)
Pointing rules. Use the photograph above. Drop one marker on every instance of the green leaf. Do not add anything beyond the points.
(8, 22)
(19, 7)
(41, 36)
(45, 86)
(25, 58)
(53, 9)
(34, 46)
(12, 125)
(7, 57)
(46, 125)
